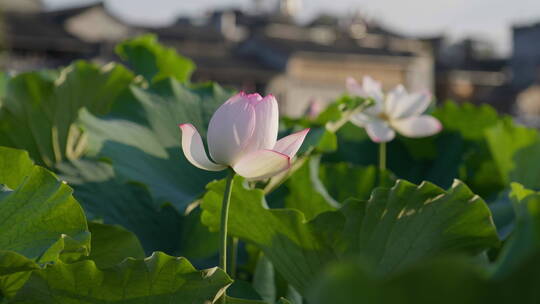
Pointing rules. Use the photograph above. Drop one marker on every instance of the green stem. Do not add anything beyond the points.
(382, 156)
(223, 230)
(233, 244)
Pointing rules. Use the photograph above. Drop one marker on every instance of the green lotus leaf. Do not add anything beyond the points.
(154, 61)
(40, 221)
(157, 279)
(394, 228)
(39, 110)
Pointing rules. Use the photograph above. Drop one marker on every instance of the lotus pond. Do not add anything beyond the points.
(382, 197)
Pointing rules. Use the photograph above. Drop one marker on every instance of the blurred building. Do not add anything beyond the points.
(21, 6)
(33, 38)
(525, 61)
(260, 51)
(469, 71)
(265, 50)
(212, 45)
(525, 65)
(268, 51)
(315, 59)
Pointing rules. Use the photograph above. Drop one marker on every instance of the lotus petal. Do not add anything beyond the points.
(400, 104)
(231, 128)
(262, 164)
(419, 126)
(266, 124)
(289, 145)
(193, 148)
(379, 131)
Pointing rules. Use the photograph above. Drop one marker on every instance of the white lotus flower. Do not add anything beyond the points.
(398, 111)
(242, 134)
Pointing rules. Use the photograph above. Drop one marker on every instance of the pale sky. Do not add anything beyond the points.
(487, 19)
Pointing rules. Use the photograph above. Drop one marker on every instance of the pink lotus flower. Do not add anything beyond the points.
(398, 111)
(242, 134)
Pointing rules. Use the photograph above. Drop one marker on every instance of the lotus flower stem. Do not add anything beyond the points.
(224, 219)
(382, 157)
(233, 242)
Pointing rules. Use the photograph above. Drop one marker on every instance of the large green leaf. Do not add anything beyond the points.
(395, 228)
(270, 285)
(524, 241)
(40, 221)
(306, 192)
(152, 154)
(4, 78)
(157, 279)
(467, 119)
(112, 244)
(315, 188)
(295, 247)
(345, 181)
(243, 290)
(442, 280)
(40, 109)
(512, 279)
(264, 279)
(39, 218)
(515, 150)
(106, 197)
(477, 168)
(447, 280)
(15, 269)
(154, 61)
(527, 166)
(518, 265)
(15, 165)
(503, 214)
(407, 223)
